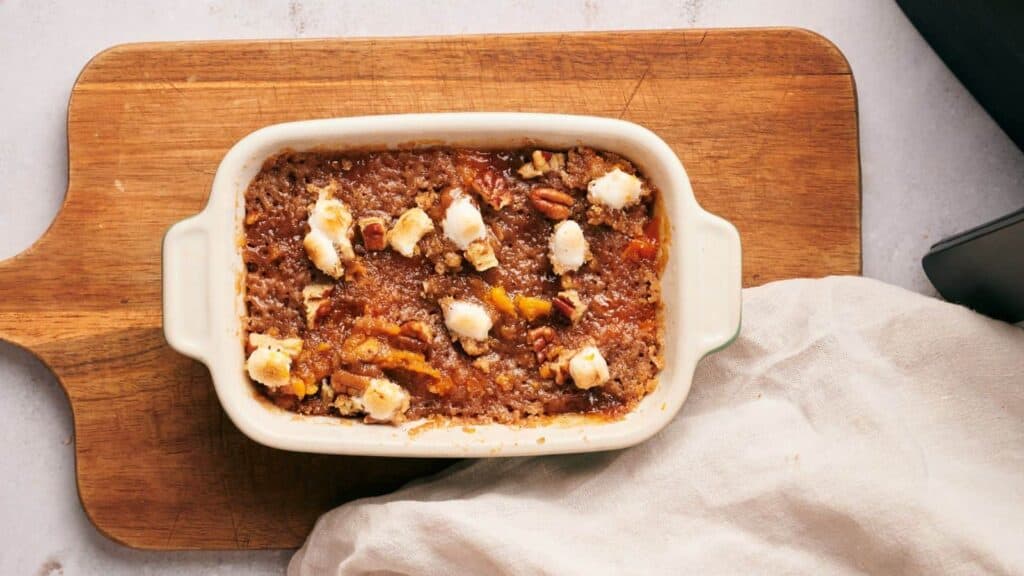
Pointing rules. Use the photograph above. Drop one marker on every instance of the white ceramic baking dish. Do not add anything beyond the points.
(203, 287)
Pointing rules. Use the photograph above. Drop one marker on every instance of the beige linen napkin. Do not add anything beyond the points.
(853, 427)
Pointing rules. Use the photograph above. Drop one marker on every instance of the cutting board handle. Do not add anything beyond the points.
(8, 296)
(24, 294)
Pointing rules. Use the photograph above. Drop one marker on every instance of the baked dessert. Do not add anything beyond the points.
(475, 285)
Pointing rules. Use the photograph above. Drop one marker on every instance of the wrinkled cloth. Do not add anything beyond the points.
(852, 428)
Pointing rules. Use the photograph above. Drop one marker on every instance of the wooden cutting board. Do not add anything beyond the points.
(764, 120)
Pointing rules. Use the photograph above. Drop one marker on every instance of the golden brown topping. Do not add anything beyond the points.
(532, 307)
(271, 360)
(468, 324)
(374, 232)
(569, 248)
(616, 190)
(412, 225)
(568, 304)
(463, 222)
(588, 368)
(272, 368)
(385, 401)
(552, 203)
(466, 319)
(328, 242)
(480, 254)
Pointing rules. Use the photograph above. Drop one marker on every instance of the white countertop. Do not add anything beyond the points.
(933, 163)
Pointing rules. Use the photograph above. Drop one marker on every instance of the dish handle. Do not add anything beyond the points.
(719, 281)
(186, 282)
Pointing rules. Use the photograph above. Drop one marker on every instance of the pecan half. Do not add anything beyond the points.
(480, 176)
(568, 304)
(493, 189)
(539, 338)
(557, 368)
(411, 335)
(374, 232)
(552, 203)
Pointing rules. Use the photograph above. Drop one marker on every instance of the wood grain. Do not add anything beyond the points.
(764, 120)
